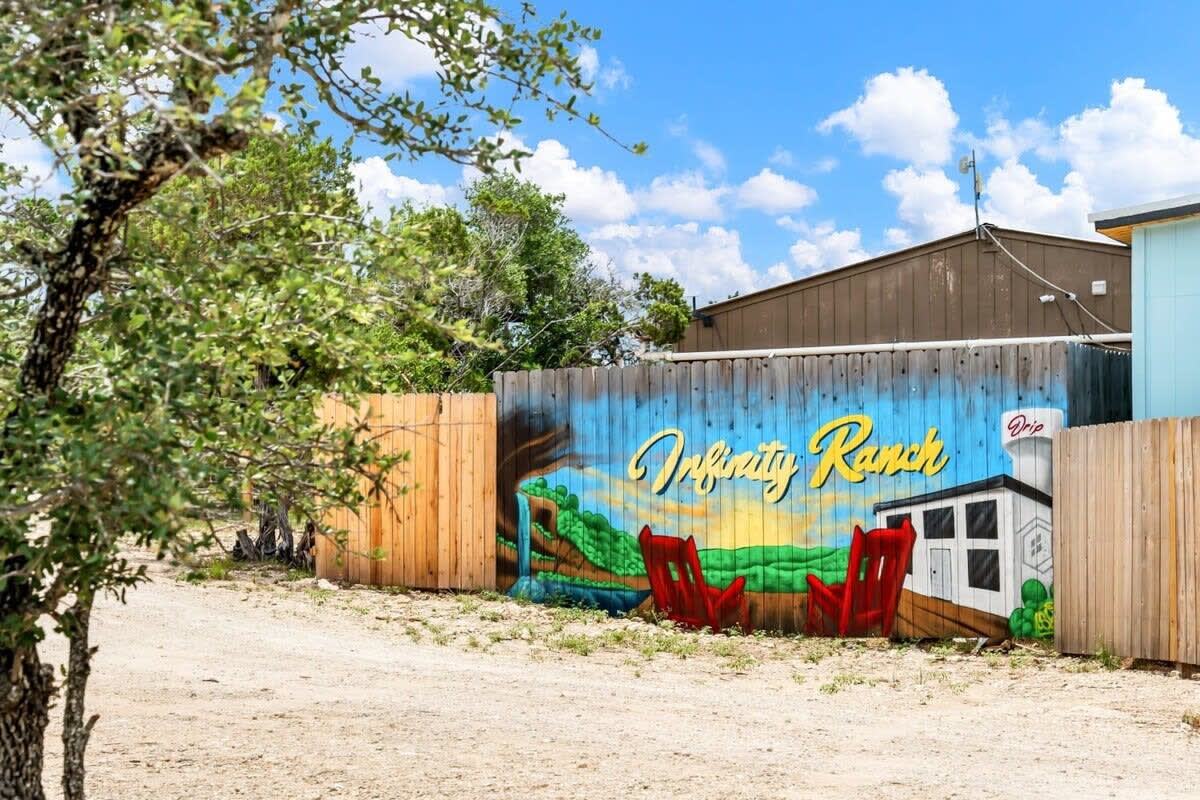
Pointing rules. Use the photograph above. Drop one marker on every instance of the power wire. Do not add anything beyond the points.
(1050, 284)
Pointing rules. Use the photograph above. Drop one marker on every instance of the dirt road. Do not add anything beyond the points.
(247, 689)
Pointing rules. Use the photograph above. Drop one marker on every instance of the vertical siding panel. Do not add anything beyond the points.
(954, 280)
(811, 328)
(827, 332)
(971, 288)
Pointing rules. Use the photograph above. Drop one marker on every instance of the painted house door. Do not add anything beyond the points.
(941, 579)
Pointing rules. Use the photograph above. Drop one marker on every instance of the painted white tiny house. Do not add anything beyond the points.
(978, 543)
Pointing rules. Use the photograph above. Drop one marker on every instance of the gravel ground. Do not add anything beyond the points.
(256, 686)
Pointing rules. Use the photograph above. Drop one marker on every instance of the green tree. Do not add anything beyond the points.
(531, 294)
(129, 375)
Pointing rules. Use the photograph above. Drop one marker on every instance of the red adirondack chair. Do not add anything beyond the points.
(684, 596)
(871, 591)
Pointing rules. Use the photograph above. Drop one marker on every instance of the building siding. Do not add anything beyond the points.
(956, 288)
(1166, 319)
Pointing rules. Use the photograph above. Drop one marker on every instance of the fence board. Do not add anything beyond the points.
(436, 522)
(1126, 540)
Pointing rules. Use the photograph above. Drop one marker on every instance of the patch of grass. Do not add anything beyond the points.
(490, 596)
(319, 596)
(473, 643)
(816, 650)
(740, 662)
(568, 613)
(413, 632)
(1192, 720)
(1106, 657)
(575, 643)
(216, 569)
(359, 609)
(441, 639)
(491, 616)
(398, 589)
(844, 680)
(294, 574)
(798, 678)
(467, 604)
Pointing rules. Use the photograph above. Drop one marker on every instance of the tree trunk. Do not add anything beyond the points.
(76, 731)
(26, 688)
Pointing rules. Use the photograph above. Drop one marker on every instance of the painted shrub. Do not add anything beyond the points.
(770, 464)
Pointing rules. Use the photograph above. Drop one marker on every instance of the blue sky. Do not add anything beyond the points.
(859, 114)
(789, 138)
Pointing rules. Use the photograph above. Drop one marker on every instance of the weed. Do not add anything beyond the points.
(217, 569)
(359, 610)
(575, 643)
(319, 596)
(472, 642)
(567, 613)
(844, 680)
(817, 650)
(1192, 720)
(992, 659)
(294, 574)
(490, 596)
(491, 616)
(1106, 657)
(798, 678)
(740, 662)
(441, 638)
(413, 632)
(467, 604)
(397, 589)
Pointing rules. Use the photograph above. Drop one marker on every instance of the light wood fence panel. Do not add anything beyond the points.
(435, 526)
(1127, 539)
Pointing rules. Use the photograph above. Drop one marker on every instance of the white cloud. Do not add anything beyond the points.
(1016, 199)
(898, 237)
(20, 150)
(380, 189)
(709, 156)
(706, 261)
(394, 58)
(905, 114)
(824, 246)
(614, 76)
(1006, 141)
(610, 76)
(1132, 151)
(929, 202)
(589, 62)
(593, 195)
(824, 165)
(771, 192)
(686, 195)
(782, 158)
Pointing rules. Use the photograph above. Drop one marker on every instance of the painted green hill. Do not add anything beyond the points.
(773, 568)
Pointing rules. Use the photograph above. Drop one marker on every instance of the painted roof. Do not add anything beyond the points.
(994, 482)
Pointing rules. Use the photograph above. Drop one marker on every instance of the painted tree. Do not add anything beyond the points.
(128, 378)
(530, 293)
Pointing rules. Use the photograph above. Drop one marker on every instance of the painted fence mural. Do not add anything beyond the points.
(901, 493)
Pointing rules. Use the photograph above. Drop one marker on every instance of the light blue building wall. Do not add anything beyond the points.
(1165, 237)
(1166, 319)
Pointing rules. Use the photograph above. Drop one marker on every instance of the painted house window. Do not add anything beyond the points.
(939, 523)
(981, 520)
(983, 569)
(894, 521)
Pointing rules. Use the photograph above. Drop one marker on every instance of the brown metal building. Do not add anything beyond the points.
(953, 288)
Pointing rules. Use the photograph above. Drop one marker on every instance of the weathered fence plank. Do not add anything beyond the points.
(434, 527)
(1127, 547)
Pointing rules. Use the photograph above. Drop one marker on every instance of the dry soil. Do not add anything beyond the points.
(266, 688)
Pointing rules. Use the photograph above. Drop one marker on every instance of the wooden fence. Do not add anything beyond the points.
(1127, 539)
(441, 532)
